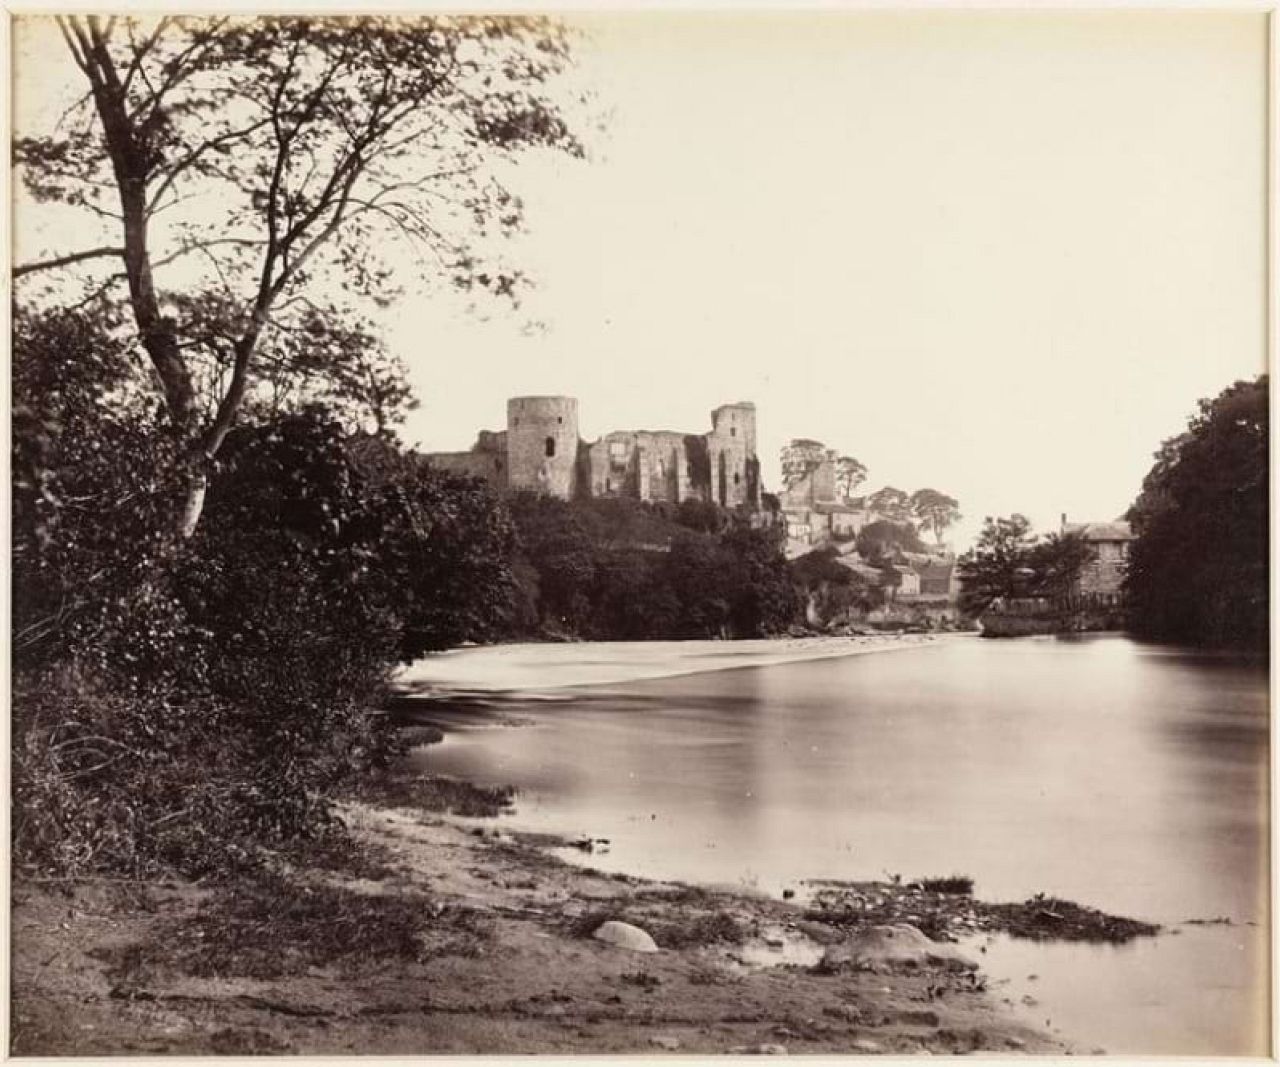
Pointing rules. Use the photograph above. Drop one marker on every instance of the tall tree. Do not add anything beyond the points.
(850, 473)
(893, 504)
(997, 566)
(935, 511)
(266, 156)
(800, 459)
(1198, 570)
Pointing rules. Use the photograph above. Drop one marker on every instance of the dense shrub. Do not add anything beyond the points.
(622, 569)
(179, 705)
(833, 592)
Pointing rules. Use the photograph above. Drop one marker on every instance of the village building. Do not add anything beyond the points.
(1102, 577)
(938, 579)
(540, 450)
(814, 512)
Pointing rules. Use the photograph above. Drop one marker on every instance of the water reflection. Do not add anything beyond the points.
(1124, 776)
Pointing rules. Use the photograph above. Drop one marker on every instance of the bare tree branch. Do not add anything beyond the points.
(67, 260)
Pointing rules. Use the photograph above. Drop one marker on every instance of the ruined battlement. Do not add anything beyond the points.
(540, 450)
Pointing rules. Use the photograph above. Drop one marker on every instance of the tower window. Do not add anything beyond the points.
(550, 446)
(733, 431)
(737, 478)
(560, 419)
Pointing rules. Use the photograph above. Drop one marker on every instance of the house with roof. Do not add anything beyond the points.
(1102, 577)
(938, 578)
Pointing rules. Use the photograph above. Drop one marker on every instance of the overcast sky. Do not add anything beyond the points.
(997, 254)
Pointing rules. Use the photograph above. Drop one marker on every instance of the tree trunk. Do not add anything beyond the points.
(193, 504)
(130, 166)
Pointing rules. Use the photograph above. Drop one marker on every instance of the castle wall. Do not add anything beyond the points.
(487, 459)
(540, 450)
(542, 444)
(644, 464)
(664, 467)
(491, 466)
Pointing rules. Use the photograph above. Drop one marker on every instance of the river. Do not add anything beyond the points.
(1129, 777)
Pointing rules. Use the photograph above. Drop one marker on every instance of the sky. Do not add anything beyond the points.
(998, 254)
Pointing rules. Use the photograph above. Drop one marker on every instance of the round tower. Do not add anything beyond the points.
(542, 444)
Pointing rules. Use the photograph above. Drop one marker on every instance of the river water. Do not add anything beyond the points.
(1129, 777)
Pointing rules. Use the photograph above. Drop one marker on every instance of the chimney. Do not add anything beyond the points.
(1064, 522)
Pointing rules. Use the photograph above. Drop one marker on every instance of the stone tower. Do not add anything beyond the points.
(735, 468)
(542, 444)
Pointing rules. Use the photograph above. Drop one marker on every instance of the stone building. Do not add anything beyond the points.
(1103, 576)
(540, 450)
(814, 512)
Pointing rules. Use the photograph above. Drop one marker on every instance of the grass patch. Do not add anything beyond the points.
(337, 852)
(417, 736)
(272, 926)
(945, 914)
(1049, 919)
(437, 793)
(688, 931)
(955, 885)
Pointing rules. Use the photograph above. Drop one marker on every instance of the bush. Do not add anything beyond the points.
(179, 706)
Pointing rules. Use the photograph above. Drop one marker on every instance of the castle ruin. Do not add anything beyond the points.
(540, 450)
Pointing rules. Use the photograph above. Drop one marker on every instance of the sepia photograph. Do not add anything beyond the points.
(640, 532)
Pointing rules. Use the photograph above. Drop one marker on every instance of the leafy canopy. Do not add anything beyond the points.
(1199, 568)
(243, 168)
(1009, 562)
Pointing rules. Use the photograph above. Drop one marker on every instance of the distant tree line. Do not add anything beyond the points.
(1198, 570)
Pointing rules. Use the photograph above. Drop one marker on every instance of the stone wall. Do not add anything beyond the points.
(487, 459)
(654, 465)
(1104, 574)
(486, 465)
(815, 487)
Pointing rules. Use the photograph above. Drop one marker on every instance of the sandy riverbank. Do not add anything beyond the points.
(499, 963)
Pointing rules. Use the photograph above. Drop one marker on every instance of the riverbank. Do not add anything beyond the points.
(445, 935)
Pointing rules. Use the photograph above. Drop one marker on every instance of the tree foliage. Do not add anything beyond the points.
(800, 459)
(619, 569)
(893, 504)
(177, 708)
(885, 542)
(935, 511)
(265, 156)
(850, 473)
(1198, 570)
(1009, 562)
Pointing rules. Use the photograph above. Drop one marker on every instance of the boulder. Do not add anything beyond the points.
(624, 935)
(893, 948)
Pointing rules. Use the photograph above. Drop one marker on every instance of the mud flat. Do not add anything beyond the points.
(441, 934)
